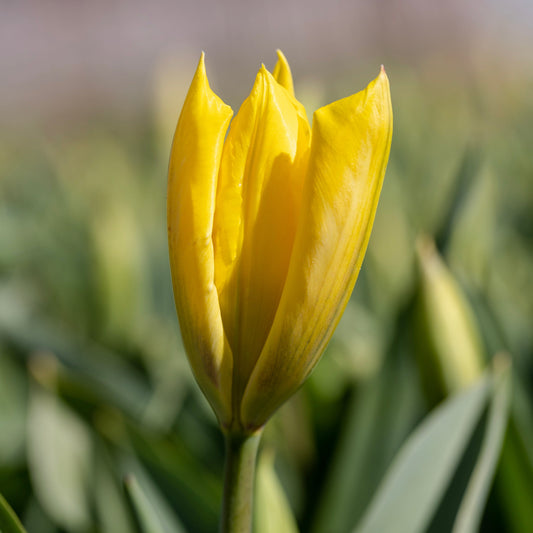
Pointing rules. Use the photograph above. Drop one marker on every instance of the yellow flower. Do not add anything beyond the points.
(267, 230)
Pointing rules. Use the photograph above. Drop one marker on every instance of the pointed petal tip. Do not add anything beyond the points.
(282, 72)
(281, 55)
(380, 83)
(262, 80)
(200, 88)
(200, 69)
(264, 72)
(382, 73)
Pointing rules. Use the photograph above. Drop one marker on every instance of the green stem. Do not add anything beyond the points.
(239, 479)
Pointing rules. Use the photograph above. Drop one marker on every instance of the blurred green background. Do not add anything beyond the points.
(94, 383)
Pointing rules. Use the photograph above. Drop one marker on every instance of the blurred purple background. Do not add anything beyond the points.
(62, 61)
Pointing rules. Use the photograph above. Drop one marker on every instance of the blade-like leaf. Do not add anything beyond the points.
(60, 460)
(379, 418)
(107, 375)
(474, 499)
(146, 514)
(153, 511)
(12, 411)
(191, 488)
(272, 512)
(110, 502)
(419, 476)
(515, 481)
(9, 522)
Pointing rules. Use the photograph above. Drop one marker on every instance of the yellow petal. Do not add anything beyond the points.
(349, 152)
(282, 73)
(257, 206)
(192, 181)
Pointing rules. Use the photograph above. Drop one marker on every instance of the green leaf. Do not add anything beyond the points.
(110, 502)
(146, 514)
(474, 499)
(379, 418)
(514, 478)
(272, 512)
(420, 474)
(9, 522)
(153, 511)
(12, 411)
(60, 460)
(194, 490)
(103, 373)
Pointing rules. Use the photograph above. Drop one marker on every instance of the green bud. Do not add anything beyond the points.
(450, 349)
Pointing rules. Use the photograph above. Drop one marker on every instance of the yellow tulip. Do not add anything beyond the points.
(267, 230)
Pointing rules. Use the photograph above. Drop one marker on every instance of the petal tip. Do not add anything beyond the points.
(281, 56)
(200, 69)
(282, 72)
(382, 74)
(264, 74)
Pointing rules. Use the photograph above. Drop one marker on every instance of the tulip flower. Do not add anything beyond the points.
(268, 225)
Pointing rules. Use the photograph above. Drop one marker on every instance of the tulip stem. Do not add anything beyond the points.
(239, 480)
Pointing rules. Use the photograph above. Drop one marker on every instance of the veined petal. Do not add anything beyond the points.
(192, 182)
(257, 207)
(282, 73)
(349, 152)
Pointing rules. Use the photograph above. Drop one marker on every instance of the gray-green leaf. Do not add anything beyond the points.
(418, 478)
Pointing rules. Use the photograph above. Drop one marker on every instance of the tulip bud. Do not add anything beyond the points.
(451, 349)
(268, 226)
